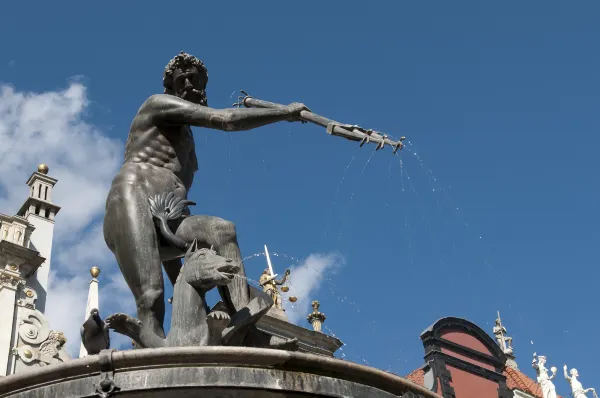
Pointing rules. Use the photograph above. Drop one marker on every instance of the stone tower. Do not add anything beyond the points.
(26, 339)
(39, 210)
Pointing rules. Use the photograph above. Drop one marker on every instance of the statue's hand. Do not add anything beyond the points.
(294, 110)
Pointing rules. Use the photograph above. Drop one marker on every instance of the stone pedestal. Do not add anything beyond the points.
(229, 372)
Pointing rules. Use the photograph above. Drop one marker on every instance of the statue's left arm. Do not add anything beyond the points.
(285, 277)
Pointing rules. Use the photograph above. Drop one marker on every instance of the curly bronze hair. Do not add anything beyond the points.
(181, 60)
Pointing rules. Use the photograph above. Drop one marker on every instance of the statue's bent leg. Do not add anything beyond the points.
(130, 233)
(221, 234)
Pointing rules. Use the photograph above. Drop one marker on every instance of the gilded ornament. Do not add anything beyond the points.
(95, 271)
(43, 168)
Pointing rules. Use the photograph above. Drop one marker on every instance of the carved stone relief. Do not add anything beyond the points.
(37, 345)
(10, 279)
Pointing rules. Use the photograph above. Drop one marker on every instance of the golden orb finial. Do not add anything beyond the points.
(43, 168)
(95, 271)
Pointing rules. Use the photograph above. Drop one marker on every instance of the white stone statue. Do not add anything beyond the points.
(576, 387)
(504, 341)
(545, 381)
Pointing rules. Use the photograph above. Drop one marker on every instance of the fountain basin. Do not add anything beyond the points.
(228, 372)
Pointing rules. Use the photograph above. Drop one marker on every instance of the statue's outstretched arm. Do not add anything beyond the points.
(169, 109)
(266, 280)
(566, 374)
(284, 279)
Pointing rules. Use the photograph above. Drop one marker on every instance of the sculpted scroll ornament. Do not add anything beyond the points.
(34, 328)
(38, 345)
(49, 352)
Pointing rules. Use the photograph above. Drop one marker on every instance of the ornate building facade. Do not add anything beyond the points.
(463, 361)
(26, 339)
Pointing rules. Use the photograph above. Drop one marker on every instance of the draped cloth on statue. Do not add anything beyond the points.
(577, 388)
(548, 389)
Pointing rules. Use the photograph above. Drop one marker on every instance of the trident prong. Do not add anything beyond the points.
(367, 138)
(399, 145)
(381, 144)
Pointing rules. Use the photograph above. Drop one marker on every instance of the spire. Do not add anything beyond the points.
(316, 318)
(92, 302)
(505, 343)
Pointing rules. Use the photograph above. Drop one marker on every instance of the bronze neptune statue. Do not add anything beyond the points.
(148, 225)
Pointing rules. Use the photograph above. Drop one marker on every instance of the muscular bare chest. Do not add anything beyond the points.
(181, 140)
(171, 148)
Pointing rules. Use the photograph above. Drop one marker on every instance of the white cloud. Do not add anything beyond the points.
(306, 279)
(51, 128)
(66, 306)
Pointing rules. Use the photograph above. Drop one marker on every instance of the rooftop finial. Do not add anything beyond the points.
(316, 318)
(43, 168)
(94, 271)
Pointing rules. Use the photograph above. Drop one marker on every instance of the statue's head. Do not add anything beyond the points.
(186, 77)
(57, 336)
(196, 253)
(266, 271)
(541, 359)
(202, 258)
(574, 372)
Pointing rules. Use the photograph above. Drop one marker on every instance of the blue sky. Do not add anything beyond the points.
(494, 207)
